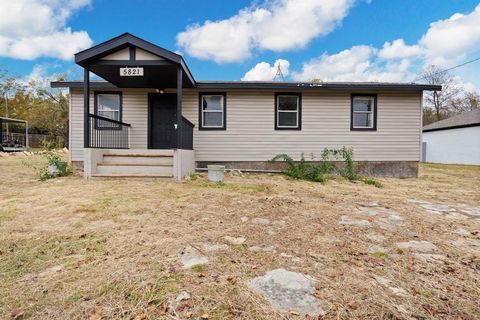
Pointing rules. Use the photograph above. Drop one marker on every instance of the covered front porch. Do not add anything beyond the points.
(128, 62)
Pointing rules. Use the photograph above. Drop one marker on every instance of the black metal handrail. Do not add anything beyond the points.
(186, 134)
(107, 133)
(109, 120)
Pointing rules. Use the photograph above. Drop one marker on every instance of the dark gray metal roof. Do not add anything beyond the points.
(466, 119)
(223, 85)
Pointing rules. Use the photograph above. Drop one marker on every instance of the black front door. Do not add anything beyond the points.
(162, 111)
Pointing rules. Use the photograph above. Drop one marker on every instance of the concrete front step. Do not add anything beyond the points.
(132, 175)
(139, 152)
(136, 169)
(138, 160)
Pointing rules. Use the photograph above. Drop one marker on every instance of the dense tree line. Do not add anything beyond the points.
(45, 109)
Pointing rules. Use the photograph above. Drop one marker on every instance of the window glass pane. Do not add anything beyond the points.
(362, 104)
(212, 119)
(287, 103)
(287, 119)
(362, 119)
(212, 103)
(109, 106)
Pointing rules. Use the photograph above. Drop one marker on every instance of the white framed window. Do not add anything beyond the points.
(288, 111)
(108, 105)
(364, 111)
(212, 111)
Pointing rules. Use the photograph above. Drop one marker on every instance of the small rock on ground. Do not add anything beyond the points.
(288, 291)
(244, 219)
(437, 207)
(386, 283)
(212, 247)
(391, 222)
(260, 221)
(235, 241)
(264, 249)
(462, 232)
(473, 212)
(421, 246)
(50, 271)
(430, 257)
(375, 237)
(184, 295)
(353, 222)
(191, 257)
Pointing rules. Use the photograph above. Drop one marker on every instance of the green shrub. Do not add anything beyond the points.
(318, 172)
(56, 166)
(302, 170)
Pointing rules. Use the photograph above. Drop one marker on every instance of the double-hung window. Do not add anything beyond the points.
(288, 111)
(212, 111)
(108, 105)
(364, 112)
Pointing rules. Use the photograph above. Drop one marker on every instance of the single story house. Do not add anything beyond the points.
(151, 117)
(453, 140)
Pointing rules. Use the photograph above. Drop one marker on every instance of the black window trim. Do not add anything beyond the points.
(297, 94)
(200, 111)
(120, 109)
(374, 96)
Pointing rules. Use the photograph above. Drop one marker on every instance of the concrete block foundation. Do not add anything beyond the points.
(398, 169)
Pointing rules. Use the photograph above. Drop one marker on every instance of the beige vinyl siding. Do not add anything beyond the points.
(134, 112)
(250, 134)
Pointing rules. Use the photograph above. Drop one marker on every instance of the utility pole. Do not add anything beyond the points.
(279, 74)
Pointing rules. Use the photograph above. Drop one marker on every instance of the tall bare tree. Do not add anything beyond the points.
(440, 101)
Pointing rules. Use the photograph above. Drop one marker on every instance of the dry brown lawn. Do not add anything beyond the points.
(110, 249)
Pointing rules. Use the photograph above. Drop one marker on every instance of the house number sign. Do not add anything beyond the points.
(131, 72)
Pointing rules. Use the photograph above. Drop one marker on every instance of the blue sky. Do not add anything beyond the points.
(359, 29)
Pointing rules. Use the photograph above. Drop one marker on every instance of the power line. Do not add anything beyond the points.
(445, 70)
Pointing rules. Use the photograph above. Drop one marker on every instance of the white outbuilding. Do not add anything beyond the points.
(454, 140)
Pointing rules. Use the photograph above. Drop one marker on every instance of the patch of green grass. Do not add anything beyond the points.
(372, 182)
(7, 215)
(427, 293)
(199, 268)
(451, 167)
(155, 293)
(239, 248)
(21, 258)
(379, 254)
(97, 205)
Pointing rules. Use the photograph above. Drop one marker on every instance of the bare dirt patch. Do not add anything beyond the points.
(71, 249)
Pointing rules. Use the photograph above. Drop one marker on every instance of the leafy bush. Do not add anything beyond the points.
(56, 166)
(318, 172)
(302, 170)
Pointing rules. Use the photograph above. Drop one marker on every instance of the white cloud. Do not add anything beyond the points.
(399, 50)
(451, 40)
(445, 43)
(277, 25)
(263, 71)
(36, 28)
(359, 63)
